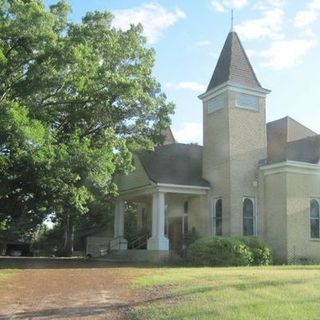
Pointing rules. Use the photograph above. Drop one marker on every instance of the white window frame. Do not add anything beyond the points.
(213, 214)
(310, 235)
(246, 105)
(255, 216)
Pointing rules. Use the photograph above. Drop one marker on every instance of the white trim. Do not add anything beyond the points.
(291, 167)
(163, 187)
(260, 92)
(183, 189)
(181, 186)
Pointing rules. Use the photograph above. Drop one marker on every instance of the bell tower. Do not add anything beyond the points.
(234, 134)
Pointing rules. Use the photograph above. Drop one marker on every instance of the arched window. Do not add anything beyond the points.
(217, 217)
(248, 217)
(314, 219)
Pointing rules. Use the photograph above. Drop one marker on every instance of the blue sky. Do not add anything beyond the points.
(281, 38)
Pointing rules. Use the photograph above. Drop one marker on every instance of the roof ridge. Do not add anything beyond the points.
(233, 65)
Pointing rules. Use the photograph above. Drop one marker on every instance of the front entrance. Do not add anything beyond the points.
(177, 227)
(175, 233)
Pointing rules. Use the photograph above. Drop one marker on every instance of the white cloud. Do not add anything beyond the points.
(154, 18)
(287, 53)
(305, 18)
(203, 43)
(281, 52)
(187, 85)
(266, 5)
(192, 85)
(314, 5)
(269, 26)
(190, 132)
(223, 5)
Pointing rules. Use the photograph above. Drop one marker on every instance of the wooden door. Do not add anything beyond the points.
(175, 233)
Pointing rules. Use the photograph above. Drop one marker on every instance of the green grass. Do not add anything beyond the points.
(6, 274)
(288, 292)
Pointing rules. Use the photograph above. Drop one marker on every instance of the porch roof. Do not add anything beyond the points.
(174, 164)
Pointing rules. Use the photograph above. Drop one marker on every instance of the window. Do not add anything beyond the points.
(246, 101)
(314, 219)
(217, 217)
(216, 103)
(186, 207)
(248, 217)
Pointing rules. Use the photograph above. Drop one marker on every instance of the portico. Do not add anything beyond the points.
(158, 198)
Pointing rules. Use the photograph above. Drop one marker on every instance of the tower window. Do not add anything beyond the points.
(248, 217)
(246, 101)
(216, 103)
(217, 217)
(314, 219)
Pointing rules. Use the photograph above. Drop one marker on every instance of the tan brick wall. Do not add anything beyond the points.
(286, 216)
(234, 142)
(301, 188)
(248, 145)
(272, 215)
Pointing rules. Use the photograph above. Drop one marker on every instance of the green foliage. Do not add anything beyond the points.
(130, 227)
(191, 237)
(219, 251)
(76, 100)
(261, 253)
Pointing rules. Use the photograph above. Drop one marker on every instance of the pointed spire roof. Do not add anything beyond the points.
(233, 65)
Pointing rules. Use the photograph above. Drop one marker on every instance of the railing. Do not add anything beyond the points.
(139, 242)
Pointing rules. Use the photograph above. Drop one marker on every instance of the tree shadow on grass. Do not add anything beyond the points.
(66, 263)
(166, 297)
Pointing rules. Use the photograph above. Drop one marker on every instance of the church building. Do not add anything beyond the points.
(250, 178)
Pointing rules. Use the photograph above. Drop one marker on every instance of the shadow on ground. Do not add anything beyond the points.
(63, 263)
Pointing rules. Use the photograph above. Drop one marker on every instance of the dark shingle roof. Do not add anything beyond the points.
(290, 140)
(233, 65)
(177, 163)
(304, 150)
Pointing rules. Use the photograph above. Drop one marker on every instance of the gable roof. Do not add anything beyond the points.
(290, 140)
(178, 164)
(304, 150)
(233, 65)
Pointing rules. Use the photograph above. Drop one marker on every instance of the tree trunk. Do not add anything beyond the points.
(67, 249)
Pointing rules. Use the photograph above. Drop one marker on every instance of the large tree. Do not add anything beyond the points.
(88, 100)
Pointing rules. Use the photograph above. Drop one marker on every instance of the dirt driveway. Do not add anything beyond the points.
(67, 289)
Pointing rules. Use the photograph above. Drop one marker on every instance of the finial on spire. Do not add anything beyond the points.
(232, 26)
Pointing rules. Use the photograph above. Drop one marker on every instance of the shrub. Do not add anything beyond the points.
(220, 251)
(261, 253)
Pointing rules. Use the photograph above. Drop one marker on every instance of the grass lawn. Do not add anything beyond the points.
(6, 274)
(279, 292)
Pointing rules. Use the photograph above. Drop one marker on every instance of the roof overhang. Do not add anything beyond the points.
(260, 92)
(163, 187)
(291, 167)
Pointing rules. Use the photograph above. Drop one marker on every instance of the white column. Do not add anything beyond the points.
(158, 241)
(119, 242)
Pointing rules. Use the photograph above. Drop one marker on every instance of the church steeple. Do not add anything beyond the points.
(233, 66)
